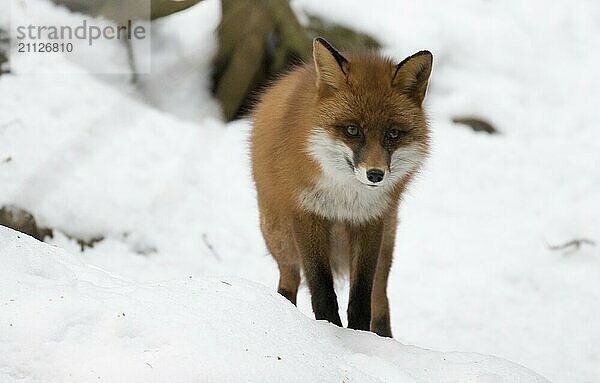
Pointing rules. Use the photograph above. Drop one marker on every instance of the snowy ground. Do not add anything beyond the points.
(473, 272)
(92, 325)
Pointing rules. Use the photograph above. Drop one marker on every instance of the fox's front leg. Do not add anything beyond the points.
(365, 242)
(311, 234)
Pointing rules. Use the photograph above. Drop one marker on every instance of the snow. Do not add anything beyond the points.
(167, 184)
(208, 329)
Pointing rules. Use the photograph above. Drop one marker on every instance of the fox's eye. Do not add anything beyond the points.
(352, 131)
(393, 133)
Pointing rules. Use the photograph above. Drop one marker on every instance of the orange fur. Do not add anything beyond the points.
(316, 205)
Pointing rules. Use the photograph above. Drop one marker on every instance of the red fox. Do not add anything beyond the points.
(334, 145)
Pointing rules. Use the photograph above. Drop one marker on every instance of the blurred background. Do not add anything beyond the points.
(147, 175)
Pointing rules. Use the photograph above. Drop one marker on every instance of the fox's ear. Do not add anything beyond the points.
(412, 75)
(331, 66)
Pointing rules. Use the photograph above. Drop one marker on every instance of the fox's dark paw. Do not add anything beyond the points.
(288, 294)
(381, 326)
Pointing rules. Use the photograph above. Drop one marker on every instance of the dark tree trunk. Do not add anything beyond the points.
(121, 11)
(258, 39)
(4, 47)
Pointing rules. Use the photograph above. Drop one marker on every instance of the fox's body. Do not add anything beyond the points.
(333, 147)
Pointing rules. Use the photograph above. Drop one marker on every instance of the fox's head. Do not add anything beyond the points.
(369, 122)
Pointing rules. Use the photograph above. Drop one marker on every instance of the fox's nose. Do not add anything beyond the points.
(375, 175)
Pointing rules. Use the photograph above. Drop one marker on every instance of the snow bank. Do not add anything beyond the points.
(56, 309)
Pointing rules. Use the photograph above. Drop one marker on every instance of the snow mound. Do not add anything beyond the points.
(56, 309)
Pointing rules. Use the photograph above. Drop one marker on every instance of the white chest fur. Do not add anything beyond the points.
(345, 201)
(338, 195)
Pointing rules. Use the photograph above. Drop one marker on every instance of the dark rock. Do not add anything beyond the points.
(21, 220)
(477, 124)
